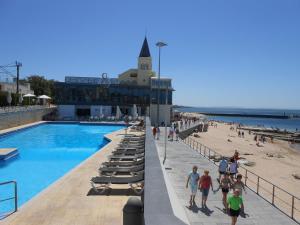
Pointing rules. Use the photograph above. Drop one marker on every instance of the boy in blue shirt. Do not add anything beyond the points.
(192, 180)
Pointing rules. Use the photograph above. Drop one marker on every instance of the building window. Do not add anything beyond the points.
(144, 66)
(133, 75)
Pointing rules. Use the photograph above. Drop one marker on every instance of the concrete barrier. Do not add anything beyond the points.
(13, 119)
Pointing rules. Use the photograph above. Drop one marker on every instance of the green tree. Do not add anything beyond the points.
(40, 85)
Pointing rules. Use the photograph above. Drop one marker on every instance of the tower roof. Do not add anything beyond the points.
(145, 49)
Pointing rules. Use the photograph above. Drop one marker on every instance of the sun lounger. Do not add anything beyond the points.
(125, 157)
(124, 163)
(105, 182)
(122, 170)
(128, 151)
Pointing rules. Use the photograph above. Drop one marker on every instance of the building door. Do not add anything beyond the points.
(83, 112)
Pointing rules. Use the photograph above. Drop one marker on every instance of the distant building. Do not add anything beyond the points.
(99, 96)
(12, 88)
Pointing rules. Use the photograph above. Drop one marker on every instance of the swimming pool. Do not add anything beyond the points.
(46, 153)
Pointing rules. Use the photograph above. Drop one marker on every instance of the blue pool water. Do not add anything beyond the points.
(46, 153)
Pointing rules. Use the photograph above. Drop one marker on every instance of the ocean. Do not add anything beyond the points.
(290, 124)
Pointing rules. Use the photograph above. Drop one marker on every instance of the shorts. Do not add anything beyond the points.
(225, 190)
(232, 174)
(205, 192)
(222, 172)
(193, 189)
(234, 213)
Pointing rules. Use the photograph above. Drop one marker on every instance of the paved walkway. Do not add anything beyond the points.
(180, 159)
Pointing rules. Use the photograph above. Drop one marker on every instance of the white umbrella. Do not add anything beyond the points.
(29, 96)
(44, 97)
(118, 113)
(134, 112)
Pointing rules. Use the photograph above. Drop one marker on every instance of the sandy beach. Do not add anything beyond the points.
(275, 162)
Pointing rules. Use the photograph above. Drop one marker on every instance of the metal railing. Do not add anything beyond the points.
(273, 194)
(15, 198)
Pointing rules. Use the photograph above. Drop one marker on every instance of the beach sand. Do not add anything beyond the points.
(277, 169)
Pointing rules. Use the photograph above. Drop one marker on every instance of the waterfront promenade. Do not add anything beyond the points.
(180, 159)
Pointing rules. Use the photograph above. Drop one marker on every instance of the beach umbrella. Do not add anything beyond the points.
(9, 99)
(29, 96)
(134, 112)
(118, 113)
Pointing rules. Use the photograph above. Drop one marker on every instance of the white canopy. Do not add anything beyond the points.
(118, 113)
(134, 112)
(44, 97)
(28, 95)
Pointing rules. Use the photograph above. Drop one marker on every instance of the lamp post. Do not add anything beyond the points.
(159, 44)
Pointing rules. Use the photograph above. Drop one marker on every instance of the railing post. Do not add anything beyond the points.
(204, 151)
(246, 177)
(16, 197)
(200, 149)
(273, 193)
(209, 154)
(257, 188)
(293, 203)
(193, 144)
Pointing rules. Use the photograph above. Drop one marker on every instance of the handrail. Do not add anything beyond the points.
(203, 150)
(15, 197)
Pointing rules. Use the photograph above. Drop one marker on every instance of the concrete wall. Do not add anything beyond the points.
(13, 119)
(200, 127)
(164, 113)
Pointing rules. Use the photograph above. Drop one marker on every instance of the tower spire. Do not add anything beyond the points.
(145, 52)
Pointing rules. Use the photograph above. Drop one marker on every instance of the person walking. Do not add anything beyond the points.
(205, 183)
(223, 166)
(154, 132)
(177, 134)
(235, 204)
(225, 185)
(192, 180)
(239, 184)
(233, 168)
(157, 133)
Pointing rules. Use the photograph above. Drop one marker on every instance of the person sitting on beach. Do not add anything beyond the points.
(239, 184)
(235, 204)
(205, 183)
(225, 185)
(233, 168)
(192, 180)
(223, 166)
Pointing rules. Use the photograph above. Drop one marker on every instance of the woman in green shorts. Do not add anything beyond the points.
(235, 204)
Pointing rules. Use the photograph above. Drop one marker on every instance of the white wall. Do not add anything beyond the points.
(66, 111)
(97, 110)
(164, 113)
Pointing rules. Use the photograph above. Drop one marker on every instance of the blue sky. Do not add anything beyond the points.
(243, 53)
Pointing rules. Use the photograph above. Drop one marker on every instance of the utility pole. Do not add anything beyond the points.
(18, 65)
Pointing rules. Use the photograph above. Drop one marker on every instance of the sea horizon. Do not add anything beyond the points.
(290, 124)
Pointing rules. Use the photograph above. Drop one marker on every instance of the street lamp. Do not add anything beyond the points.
(159, 44)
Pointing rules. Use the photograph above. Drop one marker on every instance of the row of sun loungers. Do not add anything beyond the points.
(124, 166)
